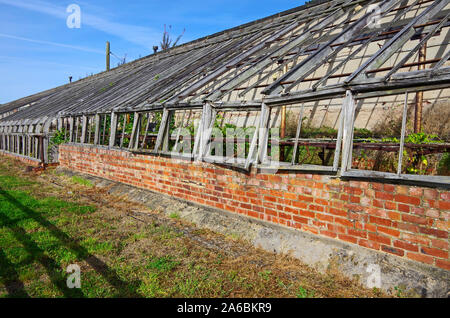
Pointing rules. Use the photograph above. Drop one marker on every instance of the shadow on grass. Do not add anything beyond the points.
(8, 273)
(53, 269)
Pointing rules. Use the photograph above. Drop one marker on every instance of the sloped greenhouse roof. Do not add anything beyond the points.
(315, 51)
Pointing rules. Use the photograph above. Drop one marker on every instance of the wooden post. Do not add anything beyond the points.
(45, 149)
(29, 145)
(177, 139)
(297, 135)
(198, 136)
(112, 137)
(41, 150)
(138, 130)
(135, 131)
(166, 135)
(104, 129)
(283, 131)
(348, 116)
(419, 95)
(263, 133)
(83, 129)
(24, 145)
(402, 139)
(162, 130)
(72, 126)
(124, 124)
(108, 56)
(210, 119)
(253, 147)
(147, 126)
(36, 147)
(97, 129)
(337, 153)
(283, 123)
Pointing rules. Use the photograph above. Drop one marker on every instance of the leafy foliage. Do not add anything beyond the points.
(59, 137)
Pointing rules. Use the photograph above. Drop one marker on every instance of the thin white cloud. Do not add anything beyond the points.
(68, 46)
(142, 36)
(40, 62)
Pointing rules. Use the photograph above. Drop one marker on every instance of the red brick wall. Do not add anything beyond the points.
(25, 160)
(410, 222)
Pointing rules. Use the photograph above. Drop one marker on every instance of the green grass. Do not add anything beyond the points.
(82, 181)
(31, 242)
(163, 264)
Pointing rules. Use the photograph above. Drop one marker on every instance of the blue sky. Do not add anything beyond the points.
(38, 51)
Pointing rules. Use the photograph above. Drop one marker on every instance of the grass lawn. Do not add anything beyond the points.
(49, 221)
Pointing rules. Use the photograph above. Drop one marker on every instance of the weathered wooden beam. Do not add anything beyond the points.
(24, 145)
(422, 42)
(124, 124)
(177, 139)
(165, 121)
(84, 129)
(205, 137)
(402, 138)
(254, 69)
(198, 137)
(362, 46)
(379, 58)
(338, 150)
(348, 108)
(147, 127)
(263, 139)
(367, 174)
(97, 129)
(221, 70)
(313, 61)
(72, 127)
(439, 64)
(112, 136)
(166, 135)
(252, 153)
(134, 133)
(297, 134)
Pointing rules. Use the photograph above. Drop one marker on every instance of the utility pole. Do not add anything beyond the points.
(108, 55)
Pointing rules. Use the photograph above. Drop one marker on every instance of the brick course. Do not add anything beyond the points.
(406, 221)
(25, 160)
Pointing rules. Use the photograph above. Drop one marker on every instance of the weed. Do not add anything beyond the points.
(151, 286)
(304, 293)
(81, 181)
(399, 291)
(163, 264)
(174, 215)
(283, 285)
(265, 274)
(232, 275)
(219, 259)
